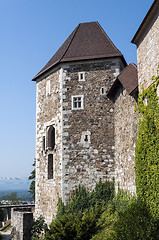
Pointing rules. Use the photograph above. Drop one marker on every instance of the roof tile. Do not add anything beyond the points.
(88, 41)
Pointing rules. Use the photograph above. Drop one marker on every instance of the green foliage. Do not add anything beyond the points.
(136, 223)
(79, 201)
(13, 198)
(82, 199)
(147, 149)
(79, 226)
(38, 229)
(78, 219)
(103, 192)
(32, 184)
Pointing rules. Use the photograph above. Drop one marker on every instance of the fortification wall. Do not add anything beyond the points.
(125, 123)
(48, 113)
(85, 162)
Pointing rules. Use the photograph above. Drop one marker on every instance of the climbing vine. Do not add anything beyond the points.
(147, 148)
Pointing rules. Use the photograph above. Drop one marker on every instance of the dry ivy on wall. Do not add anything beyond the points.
(147, 148)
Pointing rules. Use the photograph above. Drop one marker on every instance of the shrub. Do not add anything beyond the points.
(136, 223)
(37, 229)
(147, 149)
(78, 219)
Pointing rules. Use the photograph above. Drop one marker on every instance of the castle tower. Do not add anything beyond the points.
(74, 117)
(147, 42)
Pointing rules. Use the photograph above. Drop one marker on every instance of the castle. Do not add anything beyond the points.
(86, 124)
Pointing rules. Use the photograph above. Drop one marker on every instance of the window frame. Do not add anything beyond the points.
(50, 167)
(102, 91)
(82, 102)
(79, 76)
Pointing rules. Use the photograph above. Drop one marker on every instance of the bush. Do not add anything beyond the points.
(136, 223)
(147, 149)
(79, 226)
(78, 219)
(82, 199)
(38, 229)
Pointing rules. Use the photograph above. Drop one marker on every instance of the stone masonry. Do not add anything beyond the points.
(147, 41)
(75, 161)
(125, 125)
(22, 222)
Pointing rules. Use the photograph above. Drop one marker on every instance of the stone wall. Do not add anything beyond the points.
(75, 161)
(22, 222)
(86, 162)
(125, 123)
(148, 53)
(48, 112)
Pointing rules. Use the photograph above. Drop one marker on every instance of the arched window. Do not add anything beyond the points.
(50, 166)
(51, 138)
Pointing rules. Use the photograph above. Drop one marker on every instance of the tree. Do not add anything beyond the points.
(32, 184)
(13, 198)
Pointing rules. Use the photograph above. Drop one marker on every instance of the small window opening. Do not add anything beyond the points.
(86, 138)
(50, 166)
(51, 138)
(81, 76)
(43, 143)
(47, 88)
(102, 90)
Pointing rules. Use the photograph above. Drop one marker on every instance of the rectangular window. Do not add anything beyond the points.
(77, 102)
(102, 91)
(50, 166)
(81, 76)
(48, 88)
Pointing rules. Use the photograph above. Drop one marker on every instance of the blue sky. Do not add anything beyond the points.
(31, 32)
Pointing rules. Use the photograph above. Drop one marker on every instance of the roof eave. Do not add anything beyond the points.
(145, 22)
(77, 60)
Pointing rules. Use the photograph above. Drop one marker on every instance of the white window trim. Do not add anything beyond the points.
(82, 102)
(79, 76)
(48, 88)
(104, 91)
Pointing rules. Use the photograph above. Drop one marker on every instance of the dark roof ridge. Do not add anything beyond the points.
(144, 21)
(108, 37)
(126, 68)
(57, 61)
(88, 41)
(70, 41)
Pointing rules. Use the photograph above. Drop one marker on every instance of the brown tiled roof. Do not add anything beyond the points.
(128, 78)
(148, 18)
(88, 41)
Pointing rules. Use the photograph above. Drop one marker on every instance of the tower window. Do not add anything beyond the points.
(43, 143)
(51, 138)
(86, 138)
(77, 102)
(102, 91)
(47, 88)
(50, 166)
(81, 76)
